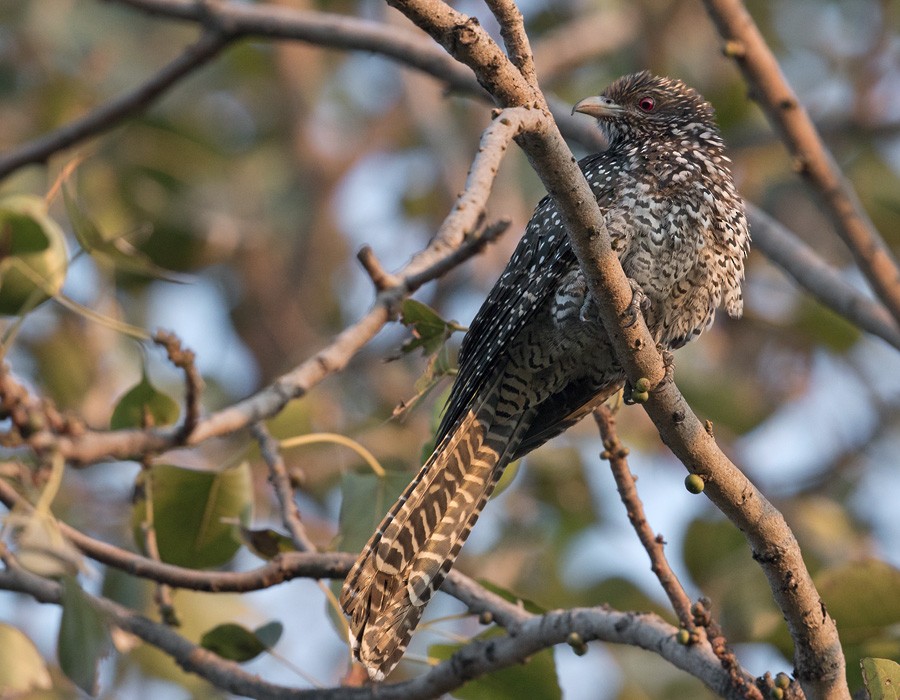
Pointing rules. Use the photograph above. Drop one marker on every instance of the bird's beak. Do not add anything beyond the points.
(598, 106)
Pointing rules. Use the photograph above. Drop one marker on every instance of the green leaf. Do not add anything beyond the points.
(265, 543)
(113, 251)
(430, 331)
(509, 596)
(87, 233)
(881, 678)
(142, 406)
(269, 633)
(862, 597)
(366, 498)
(83, 637)
(535, 679)
(193, 511)
(233, 641)
(33, 259)
(20, 233)
(21, 666)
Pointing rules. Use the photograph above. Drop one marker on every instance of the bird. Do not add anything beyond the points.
(536, 358)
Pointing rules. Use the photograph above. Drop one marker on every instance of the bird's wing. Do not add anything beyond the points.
(534, 272)
(541, 259)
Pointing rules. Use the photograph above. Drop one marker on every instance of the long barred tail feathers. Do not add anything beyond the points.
(415, 546)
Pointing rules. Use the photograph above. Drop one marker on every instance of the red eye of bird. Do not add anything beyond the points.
(646, 104)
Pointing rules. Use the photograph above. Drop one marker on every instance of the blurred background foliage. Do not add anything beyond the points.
(261, 175)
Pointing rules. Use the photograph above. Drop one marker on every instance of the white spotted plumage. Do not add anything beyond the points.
(536, 357)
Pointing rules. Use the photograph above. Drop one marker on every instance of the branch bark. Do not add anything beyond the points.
(745, 43)
(818, 656)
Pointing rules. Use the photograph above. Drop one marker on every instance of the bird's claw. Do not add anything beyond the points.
(639, 303)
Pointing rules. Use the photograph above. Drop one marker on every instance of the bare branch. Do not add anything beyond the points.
(512, 29)
(185, 360)
(281, 483)
(111, 113)
(618, 463)
(745, 43)
(450, 246)
(821, 280)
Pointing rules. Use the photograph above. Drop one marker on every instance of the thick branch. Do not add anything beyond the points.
(746, 45)
(818, 656)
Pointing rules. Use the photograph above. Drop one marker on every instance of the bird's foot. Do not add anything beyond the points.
(668, 359)
(639, 303)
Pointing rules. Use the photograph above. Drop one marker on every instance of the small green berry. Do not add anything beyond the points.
(639, 396)
(642, 385)
(694, 483)
(783, 680)
(683, 637)
(578, 644)
(776, 694)
(486, 618)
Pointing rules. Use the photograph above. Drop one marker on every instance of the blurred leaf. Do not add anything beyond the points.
(430, 331)
(113, 251)
(20, 233)
(622, 594)
(716, 555)
(706, 544)
(83, 637)
(42, 548)
(822, 326)
(22, 667)
(266, 543)
(536, 678)
(87, 233)
(881, 678)
(33, 259)
(193, 511)
(528, 605)
(235, 642)
(144, 406)
(365, 499)
(862, 596)
(269, 633)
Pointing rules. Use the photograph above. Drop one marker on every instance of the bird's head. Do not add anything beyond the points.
(644, 106)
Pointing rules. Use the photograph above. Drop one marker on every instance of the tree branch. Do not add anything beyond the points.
(746, 45)
(110, 113)
(821, 280)
(818, 656)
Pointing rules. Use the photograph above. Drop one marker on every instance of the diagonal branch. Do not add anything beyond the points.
(745, 43)
(111, 113)
(818, 657)
(451, 246)
(821, 280)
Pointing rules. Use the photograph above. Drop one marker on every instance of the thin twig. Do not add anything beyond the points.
(452, 245)
(618, 463)
(284, 490)
(746, 45)
(185, 360)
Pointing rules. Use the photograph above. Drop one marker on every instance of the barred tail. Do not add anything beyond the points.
(415, 546)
